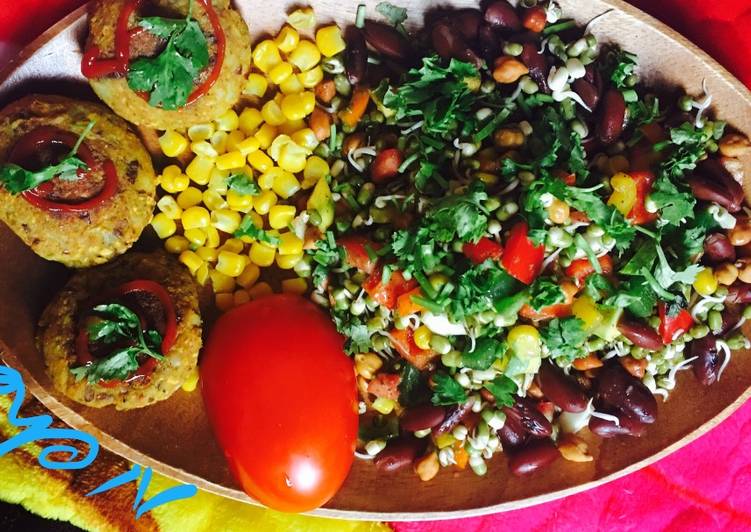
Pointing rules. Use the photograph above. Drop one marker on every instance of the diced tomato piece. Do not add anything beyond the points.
(566, 177)
(387, 294)
(639, 214)
(405, 306)
(356, 249)
(386, 165)
(404, 343)
(484, 249)
(559, 310)
(385, 385)
(580, 269)
(521, 258)
(654, 132)
(672, 327)
(579, 216)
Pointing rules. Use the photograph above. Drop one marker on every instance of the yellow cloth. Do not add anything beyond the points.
(61, 495)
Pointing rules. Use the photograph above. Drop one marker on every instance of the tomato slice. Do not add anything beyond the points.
(672, 327)
(387, 294)
(639, 214)
(356, 250)
(386, 165)
(404, 342)
(580, 269)
(484, 249)
(385, 385)
(521, 258)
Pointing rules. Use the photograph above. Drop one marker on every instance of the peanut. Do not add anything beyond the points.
(633, 366)
(534, 391)
(726, 273)
(574, 449)
(734, 166)
(508, 138)
(618, 163)
(740, 235)
(352, 142)
(559, 212)
(744, 270)
(734, 145)
(366, 364)
(591, 361)
(427, 467)
(508, 70)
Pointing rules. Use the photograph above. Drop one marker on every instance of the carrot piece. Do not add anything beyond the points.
(320, 123)
(405, 306)
(591, 361)
(325, 91)
(357, 107)
(535, 19)
(461, 457)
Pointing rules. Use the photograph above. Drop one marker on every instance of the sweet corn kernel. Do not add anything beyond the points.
(231, 161)
(176, 244)
(298, 106)
(218, 180)
(191, 260)
(266, 56)
(286, 184)
(586, 310)
(302, 19)
(290, 127)
(239, 202)
(255, 219)
(275, 150)
(315, 169)
(305, 56)
(272, 114)
(290, 244)
(195, 218)
(262, 254)
(260, 290)
(174, 183)
(196, 237)
(241, 297)
(249, 276)
(231, 264)
(310, 78)
(225, 220)
(248, 146)
(256, 85)
(233, 245)
(228, 121)
(264, 201)
(207, 254)
(234, 138)
(292, 85)
(266, 180)
(260, 161)
(295, 286)
(265, 135)
(201, 132)
(221, 283)
(422, 337)
(224, 302)
(212, 237)
(280, 72)
(330, 41)
(383, 405)
(204, 149)
(202, 275)
(287, 39)
(445, 440)
(173, 144)
(190, 197)
(219, 141)
(169, 207)
(706, 282)
(288, 262)
(172, 171)
(280, 216)
(213, 200)
(191, 383)
(306, 139)
(164, 226)
(250, 120)
(199, 170)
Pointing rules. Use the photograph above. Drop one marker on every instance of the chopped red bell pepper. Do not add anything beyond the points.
(580, 269)
(484, 249)
(387, 294)
(356, 250)
(672, 327)
(639, 214)
(404, 342)
(385, 385)
(521, 258)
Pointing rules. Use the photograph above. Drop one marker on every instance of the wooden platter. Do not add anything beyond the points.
(174, 437)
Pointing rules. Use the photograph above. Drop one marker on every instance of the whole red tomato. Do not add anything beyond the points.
(281, 396)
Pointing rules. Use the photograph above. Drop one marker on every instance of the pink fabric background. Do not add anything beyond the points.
(705, 486)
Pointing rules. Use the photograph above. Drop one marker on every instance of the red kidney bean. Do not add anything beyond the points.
(356, 56)
(730, 318)
(525, 412)
(489, 42)
(512, 434)
(612, 115)
(641, 334)
(423, 417)
(617, 388)
(739, 294)
(561, 389)
(449, 44)
(588, 93)
(718, 249)
(534, 456)
(386, 40)
(467, 22)
(608, 429)
(537, 65)
(501, 14)
(707, 366)
(453, 417)
(398, 454)
(714, 183)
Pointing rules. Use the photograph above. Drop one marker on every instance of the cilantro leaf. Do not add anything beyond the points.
(674, 205)
(503, 389)
(355, 331)
(395, 15)
(565, 338)
(624, 66)
(249, 229)
(326, 255)
(667, 277)
(636, 295)
(479, 288)
(544, 292)
(487, 350)
(598, 287)
(242, 184)
(447, 391)
(413, 386)
(117, 366)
